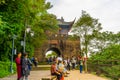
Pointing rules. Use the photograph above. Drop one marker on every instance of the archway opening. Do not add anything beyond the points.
(56, 50)
(52, 53)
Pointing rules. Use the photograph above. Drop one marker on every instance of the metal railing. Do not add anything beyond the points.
(109, 68)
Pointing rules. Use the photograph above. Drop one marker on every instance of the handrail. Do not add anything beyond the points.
(100, 66)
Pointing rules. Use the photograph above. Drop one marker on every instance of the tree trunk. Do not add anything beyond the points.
(86, 51)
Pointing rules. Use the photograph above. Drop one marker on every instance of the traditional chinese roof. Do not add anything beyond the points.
(64, 27)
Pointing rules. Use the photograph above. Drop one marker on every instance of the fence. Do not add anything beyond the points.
(109, 68)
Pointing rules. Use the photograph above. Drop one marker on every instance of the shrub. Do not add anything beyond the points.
(107, 62)
(5, 69)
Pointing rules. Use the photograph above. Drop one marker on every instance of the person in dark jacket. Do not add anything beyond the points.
(25, 68)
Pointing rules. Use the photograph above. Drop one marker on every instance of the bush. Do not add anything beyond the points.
(106, 62)
(5, 69)
(112, 72)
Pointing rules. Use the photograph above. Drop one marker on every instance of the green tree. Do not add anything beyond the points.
(102, 40)
(85, 28)
(16, 16)
(4, 40)
(109, 55)
(47, 22)
(2, 1)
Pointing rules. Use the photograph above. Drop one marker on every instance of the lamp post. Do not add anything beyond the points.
(24, 42)
(27, 30)
(11, 66)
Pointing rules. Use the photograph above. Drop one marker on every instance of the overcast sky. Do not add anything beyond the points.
(107, 11)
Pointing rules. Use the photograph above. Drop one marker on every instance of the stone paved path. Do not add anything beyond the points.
(74, 75)
(34, 75)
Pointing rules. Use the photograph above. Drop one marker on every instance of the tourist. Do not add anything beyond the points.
(65, 71)
(19, 66)
(81, 64)
(25, 68)
(54, 71)
(30, 64)
(35, 61)
(48, 60)
(58, 69)
(60, 58)
(73, 61)
(68, 64)
(65, 63)
(62, 69)
(61, 66)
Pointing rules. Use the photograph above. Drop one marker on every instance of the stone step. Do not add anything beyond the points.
(49, 78)
(41, 67)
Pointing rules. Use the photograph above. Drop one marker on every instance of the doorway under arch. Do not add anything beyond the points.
(53, 49)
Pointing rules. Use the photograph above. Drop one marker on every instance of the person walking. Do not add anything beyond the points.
(19, 66)
(25, 68)
(81, 65)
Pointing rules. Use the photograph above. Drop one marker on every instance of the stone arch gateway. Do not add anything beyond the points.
(59, 42)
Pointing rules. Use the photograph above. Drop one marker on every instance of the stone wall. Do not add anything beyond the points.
(70, 48)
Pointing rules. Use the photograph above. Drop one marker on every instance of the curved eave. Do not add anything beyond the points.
(72, 24)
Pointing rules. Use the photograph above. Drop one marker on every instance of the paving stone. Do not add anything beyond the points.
(74, 75)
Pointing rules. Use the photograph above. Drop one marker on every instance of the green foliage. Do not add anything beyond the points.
(111, 52)
(5, 68)
(16, 16)
(47, 22)
(5, 43)
(30, 50)
(85, 28)
(112, 71)
(107, 61)
(2, 1)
